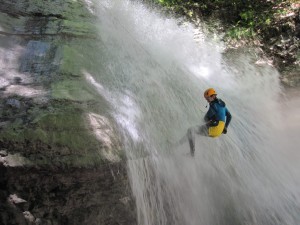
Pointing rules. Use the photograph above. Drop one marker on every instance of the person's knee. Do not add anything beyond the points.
(190, 133)
(202, 130)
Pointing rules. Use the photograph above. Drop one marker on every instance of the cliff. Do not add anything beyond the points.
(61, 159)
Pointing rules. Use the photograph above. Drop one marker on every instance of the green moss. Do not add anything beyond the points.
(58, 131)
(78, 28)
(76, 90)
(8, 22)
(70, 9)
(71, 83)
(67, 129)
(69, 64)
(38, 134)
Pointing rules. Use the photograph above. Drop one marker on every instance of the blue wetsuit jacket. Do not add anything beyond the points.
(217, 112)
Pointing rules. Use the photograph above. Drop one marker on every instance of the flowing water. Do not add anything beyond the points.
(153, 71)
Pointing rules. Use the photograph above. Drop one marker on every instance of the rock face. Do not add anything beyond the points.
(61, 160)
(281, 41)
(55, 195)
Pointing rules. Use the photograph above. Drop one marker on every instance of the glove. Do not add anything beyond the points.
(225, 130)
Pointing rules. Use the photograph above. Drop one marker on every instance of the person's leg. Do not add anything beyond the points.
(191, 138)
(200, 130)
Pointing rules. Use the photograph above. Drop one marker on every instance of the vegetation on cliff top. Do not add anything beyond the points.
(244, 18)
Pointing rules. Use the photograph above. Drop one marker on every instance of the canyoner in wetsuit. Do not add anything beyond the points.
(216, 119)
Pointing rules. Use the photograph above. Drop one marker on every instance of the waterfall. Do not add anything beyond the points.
(153, 70)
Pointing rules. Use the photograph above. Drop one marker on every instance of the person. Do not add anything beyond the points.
(216, 119)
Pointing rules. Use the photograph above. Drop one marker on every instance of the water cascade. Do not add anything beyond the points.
(153, 70)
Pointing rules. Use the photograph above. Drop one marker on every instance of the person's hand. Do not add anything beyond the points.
(225, 130)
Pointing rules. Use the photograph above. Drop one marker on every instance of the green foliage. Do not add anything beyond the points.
(245, 18)
(240, 33)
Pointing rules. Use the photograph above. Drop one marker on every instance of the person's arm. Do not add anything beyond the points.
(228, 118)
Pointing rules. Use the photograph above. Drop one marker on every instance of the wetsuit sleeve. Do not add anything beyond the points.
(228, 118)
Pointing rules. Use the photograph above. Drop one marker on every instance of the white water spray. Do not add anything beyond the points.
(239, 178)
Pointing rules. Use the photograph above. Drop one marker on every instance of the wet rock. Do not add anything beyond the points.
(14, 103)
(71, 195)
(17, 80)
(29, 217)
(3, 82)
(290, 77)
(38, 221)
(126, 200)
(54, 160)
(3, 153)
(15, 199)
(38, 60)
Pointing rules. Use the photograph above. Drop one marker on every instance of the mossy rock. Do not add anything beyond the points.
(57, 131)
